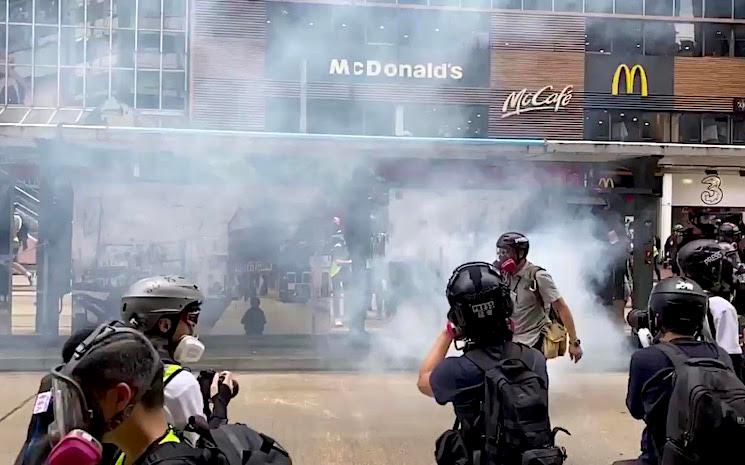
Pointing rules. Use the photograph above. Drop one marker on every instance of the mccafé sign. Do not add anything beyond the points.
(373, 68)
(545, 98)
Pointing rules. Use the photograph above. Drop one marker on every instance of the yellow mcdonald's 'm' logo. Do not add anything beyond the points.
(630, 75)
(606, 183)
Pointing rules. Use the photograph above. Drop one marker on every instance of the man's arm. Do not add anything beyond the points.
(436, 355)
(634, 393)
(549, 293)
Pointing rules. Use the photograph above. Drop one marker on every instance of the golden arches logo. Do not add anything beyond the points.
(630, 75)
(606, 183)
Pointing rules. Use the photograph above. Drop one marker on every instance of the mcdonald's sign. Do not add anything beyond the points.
(606, 183)
(630, 75)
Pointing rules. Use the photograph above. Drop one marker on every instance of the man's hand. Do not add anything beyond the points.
(575, 352)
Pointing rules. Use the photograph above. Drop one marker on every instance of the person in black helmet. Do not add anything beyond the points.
(677, 308)
(705, 262)
(533, 293)
(166, 310)
(479, 316)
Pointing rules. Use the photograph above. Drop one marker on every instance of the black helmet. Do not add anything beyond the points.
(704, 261)
(480, 302)
(678, 304)
(150, 299)
(514, 240)
(729, 232)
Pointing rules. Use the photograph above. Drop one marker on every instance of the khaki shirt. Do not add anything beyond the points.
(529, 315)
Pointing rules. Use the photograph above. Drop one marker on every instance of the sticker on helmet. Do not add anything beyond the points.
(714, 257)
(682, 285)
(481, 310)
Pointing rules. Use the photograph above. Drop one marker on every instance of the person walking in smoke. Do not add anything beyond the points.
(20, 239)
(542, 318)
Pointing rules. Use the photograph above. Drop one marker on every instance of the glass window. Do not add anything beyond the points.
(738, 129)
(19, 44)
(380, 118)
(506, 4)
(689, 39)
(20, 11)
(282, 114)
(124, 13)
(45, 86)
(599, 6)
(740, 40)
(71, 46)
(627, 37)
(659, 38)
(625, 126)
(445, 120)
(174, 50)
(474, 3)
(597, 38)
(174, 90)
(47, 12)
(174, 14)
(715, 129)
(148, 50)
(689, 8)
(716, 39)
(688, 127)
(596, 125)
(71, 87)
(630, 7)
(441, 2)
(739, 9)
(98, 48)
(3, 3)
(655, 127)
(658, 7)
(46, 45)
(123, 86)
(99, 13)
(413, 2)
(149, 14)
(148, 85)
(19, 85)
(334, 117)
(568, 5)
(96, 87)
(123, 49)
(73, 12)
(544, 5)
(718, 8)
(381, 27)
(348, 27)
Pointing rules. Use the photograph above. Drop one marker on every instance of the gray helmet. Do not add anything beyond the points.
(150, 299)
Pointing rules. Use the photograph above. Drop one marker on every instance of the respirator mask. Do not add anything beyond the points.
(78, 426)
(505, 263)
(189, 349)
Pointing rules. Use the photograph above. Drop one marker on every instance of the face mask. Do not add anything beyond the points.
(188, 350)
(508, 266)
(76, 448)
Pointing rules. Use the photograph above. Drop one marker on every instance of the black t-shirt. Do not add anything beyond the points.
(651, 404)
(460, 381)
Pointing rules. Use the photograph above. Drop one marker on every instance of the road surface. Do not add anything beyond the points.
(381, 419)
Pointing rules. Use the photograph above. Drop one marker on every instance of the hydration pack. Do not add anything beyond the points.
(513, 423)
(706, 414)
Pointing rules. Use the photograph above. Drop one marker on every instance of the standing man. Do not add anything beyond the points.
(534, 295)
(671, 247)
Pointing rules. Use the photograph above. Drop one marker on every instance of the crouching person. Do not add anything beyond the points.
(489, 429)
(111, 391)
(685, 389)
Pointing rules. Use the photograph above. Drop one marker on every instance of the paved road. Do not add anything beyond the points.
(381, 419)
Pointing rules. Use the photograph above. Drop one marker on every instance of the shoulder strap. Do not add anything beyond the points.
(534, 269)
(170, 371)
(482, 359)
(673, 353)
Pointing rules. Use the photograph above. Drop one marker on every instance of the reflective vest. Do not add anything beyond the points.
(169, 372)
(169, 437)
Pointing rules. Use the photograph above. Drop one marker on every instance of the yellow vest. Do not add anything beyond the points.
(168, 372)
(169, 437)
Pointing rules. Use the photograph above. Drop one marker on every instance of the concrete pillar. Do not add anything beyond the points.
(666, 208)
(645, 218)
(7, 186)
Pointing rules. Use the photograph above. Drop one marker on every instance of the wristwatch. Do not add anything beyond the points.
(575, 343)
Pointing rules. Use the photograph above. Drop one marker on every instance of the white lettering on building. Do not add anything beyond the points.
(544, 98)
(341, 67)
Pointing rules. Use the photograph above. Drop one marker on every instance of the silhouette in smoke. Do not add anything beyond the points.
(254, 320)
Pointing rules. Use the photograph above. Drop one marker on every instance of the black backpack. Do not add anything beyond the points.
(513, 423)
(240, 445)
(706, 412)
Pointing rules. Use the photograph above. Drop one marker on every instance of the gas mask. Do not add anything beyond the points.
(78, 426)
(505, 263)
(188, 350)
